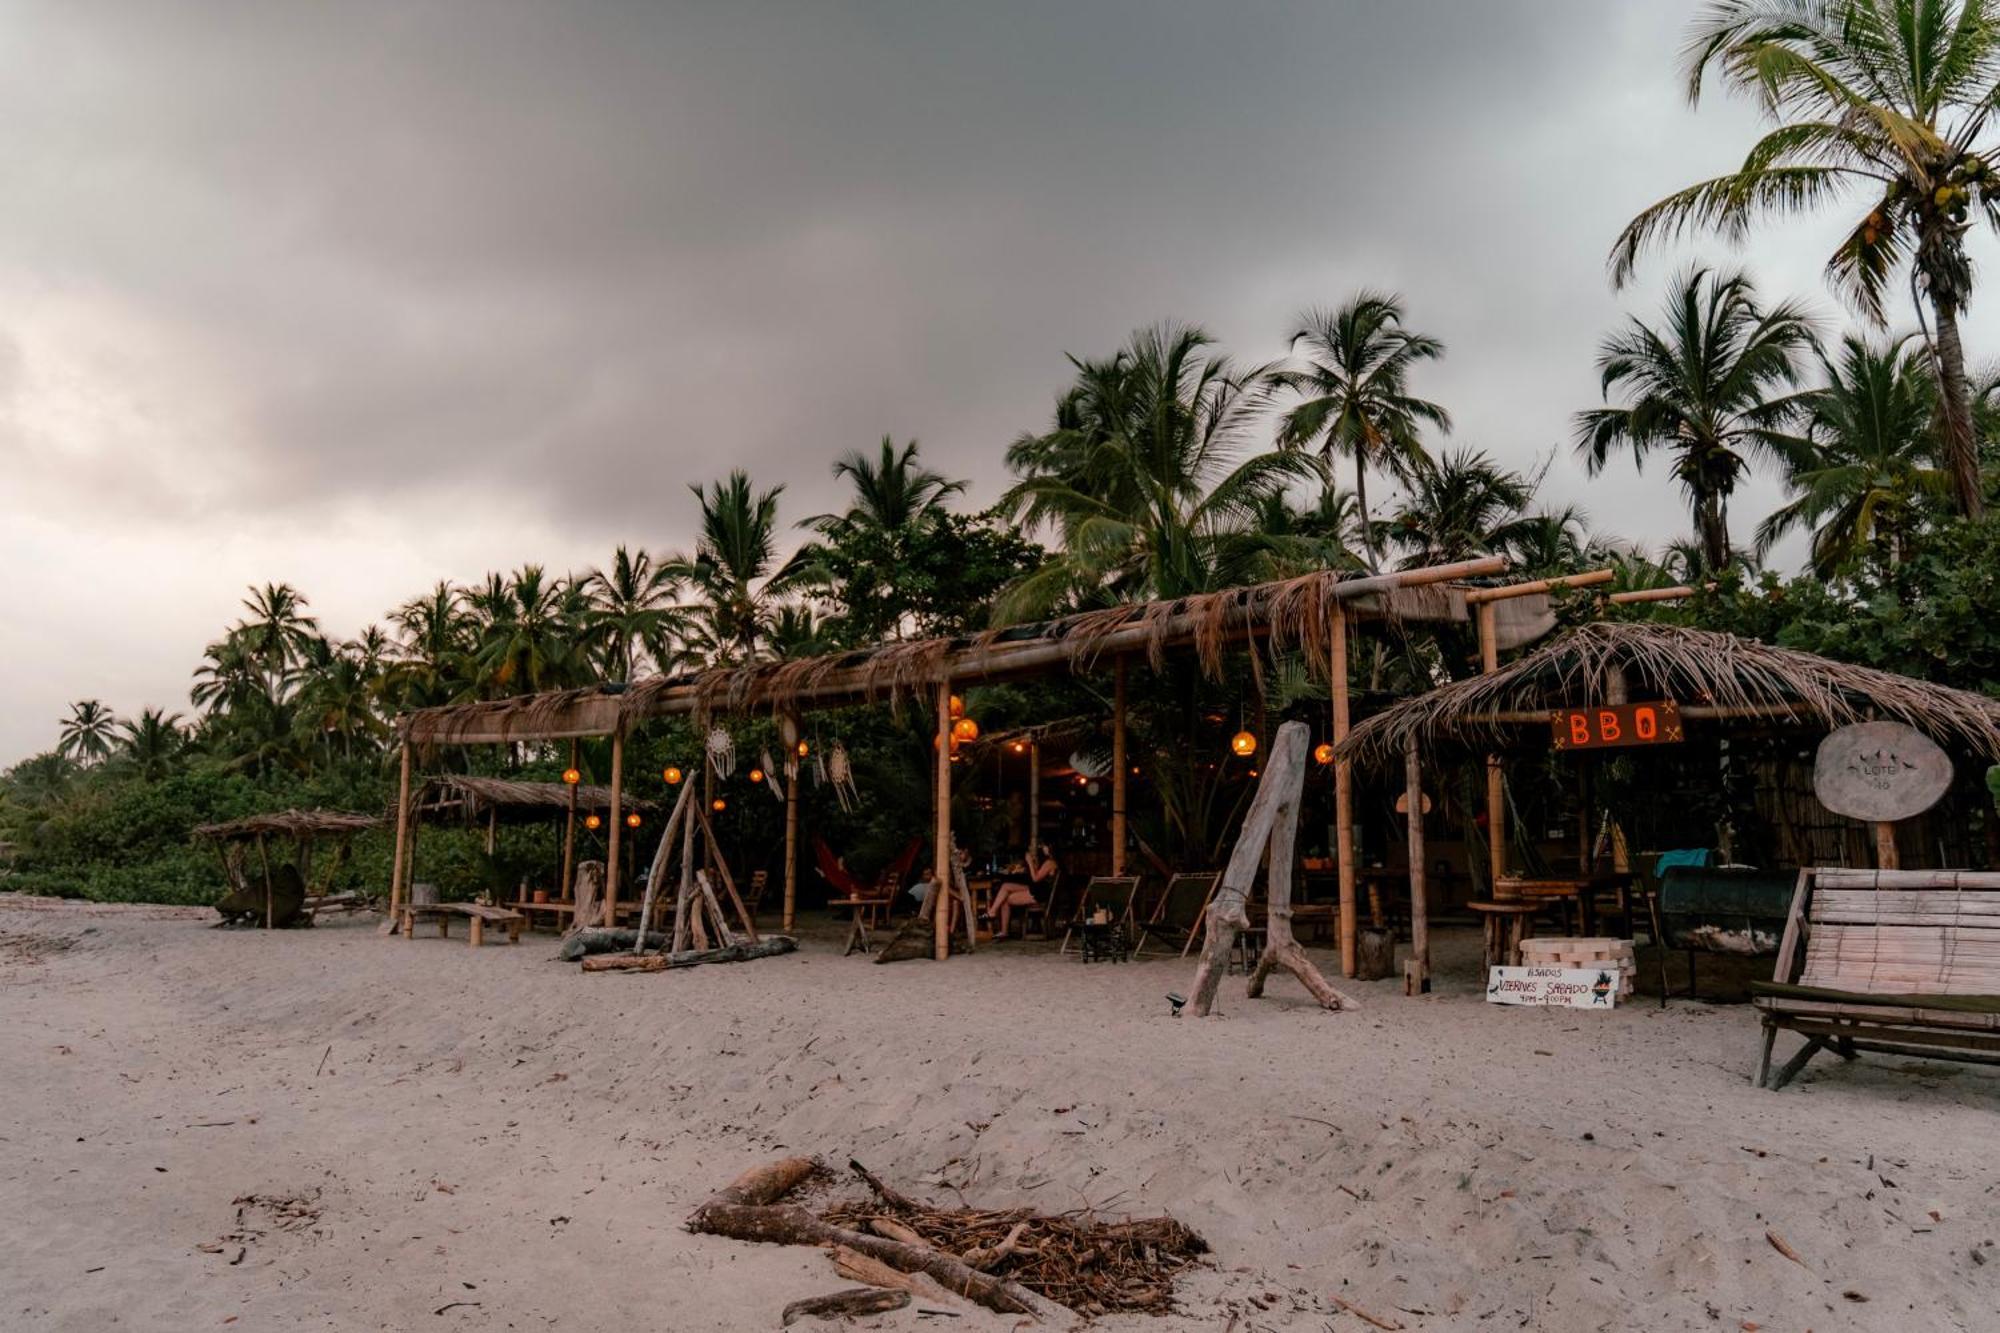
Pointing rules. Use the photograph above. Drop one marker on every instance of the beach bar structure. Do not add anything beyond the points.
(487, 803)
(1692, 684)
(302, 829)
(1313, 615)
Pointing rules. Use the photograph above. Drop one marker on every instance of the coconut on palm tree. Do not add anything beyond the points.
(1866, 476)
(1147, 476)
(1715, 385)
(1355, 392)
(88, 733)
(1883, 102)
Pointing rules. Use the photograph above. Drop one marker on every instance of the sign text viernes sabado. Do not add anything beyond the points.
(1564, 987)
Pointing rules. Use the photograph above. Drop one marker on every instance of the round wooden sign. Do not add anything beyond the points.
(1880, 771)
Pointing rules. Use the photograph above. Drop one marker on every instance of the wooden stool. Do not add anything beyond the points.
(1506, 926)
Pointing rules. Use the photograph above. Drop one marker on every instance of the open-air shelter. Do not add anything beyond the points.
(1657, 693)
(488, 803)
(1311, 617)
(299, 830)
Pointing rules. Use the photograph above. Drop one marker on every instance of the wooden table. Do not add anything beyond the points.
(478, 914)
(865, 914)
(559, 910)
(1582, 890)
(1507, 925)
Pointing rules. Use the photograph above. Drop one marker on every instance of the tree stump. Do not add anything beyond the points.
(1376, 958)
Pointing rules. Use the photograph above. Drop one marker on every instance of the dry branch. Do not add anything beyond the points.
(850, 1304)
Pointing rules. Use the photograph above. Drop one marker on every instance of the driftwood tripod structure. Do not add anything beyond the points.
(1271, 824)
(696, 907)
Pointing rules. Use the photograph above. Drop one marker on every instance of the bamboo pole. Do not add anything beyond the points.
(941, 895)
(1417, 972)
(612, 866)
(1650, 595)
(1034, 793)
(402, 834)
(492, 829)
(1118, 769)
(1507, 592)
(789, 733)
(264, 860)
(1343, 799)
(1496, 798)
(1886, 855)
(563, 890)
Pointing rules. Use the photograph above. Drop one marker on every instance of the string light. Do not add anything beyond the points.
(1323, 753)
(718, 805)
(571, 776)
(632, 820)
(672, 775)
(803, 747)
(592, 822)
(1243, 743)
(756, 775)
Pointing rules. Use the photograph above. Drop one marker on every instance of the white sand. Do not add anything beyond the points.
(497, 1131)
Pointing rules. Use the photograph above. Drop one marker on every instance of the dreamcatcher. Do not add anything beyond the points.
(843, 777)
(721, 752)
(771, 776)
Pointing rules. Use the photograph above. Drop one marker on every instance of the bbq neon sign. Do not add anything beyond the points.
(1616, 724)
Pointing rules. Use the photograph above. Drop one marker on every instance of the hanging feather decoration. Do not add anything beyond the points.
(843, 778)
(771, 776)
(721, 752)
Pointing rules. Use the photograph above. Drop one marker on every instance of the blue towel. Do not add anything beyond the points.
(1681, 856)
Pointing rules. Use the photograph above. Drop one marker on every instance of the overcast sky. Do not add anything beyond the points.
(360, 297)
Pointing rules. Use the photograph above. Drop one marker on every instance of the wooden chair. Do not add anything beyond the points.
(1903, 962)
(1179, 916)
(753, 896)
(1113, 893)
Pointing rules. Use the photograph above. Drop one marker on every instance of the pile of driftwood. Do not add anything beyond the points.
(1011, 1260)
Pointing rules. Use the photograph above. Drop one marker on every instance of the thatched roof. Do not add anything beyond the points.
(1712, 676)
(288, 824)
(514, 801)
(1288, 615)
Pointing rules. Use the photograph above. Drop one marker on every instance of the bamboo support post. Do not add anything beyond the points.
(264, 860)
(941, 919)
(566, 887)
(788, 732)
(721, 864)
(1496, 798)
(1034, 793)
(1417, 972)
(1886, 855)
(612, 867)
(402, 834)
(1118, 770)
(1507, 592)
(1343, 798)
(662, 860)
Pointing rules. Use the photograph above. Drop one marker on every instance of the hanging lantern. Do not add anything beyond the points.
(1323, 753)
(957, 707)
(592, 822)
(803, 749)
(672, 775)
(571, 776)
(1018, 747)
(632, 820)
(1243, 743)
(756, 775)
(718, 805)
(965, 729)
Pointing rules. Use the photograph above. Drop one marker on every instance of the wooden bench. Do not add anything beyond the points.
(1905, 962)
(479, 914)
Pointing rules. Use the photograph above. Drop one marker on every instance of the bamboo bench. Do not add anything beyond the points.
(479, 914)
(1903, 962)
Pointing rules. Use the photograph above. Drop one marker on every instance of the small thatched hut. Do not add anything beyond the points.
(284, 894)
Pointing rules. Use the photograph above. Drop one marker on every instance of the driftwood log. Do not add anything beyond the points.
(748, 1208)
(1271, 823)
(850, 1304)
(618, 961)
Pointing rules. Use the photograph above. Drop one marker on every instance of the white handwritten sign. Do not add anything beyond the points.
(1563, 987)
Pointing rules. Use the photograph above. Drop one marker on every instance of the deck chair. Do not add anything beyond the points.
(1113, 893)
(753, 895)
(1178, 917)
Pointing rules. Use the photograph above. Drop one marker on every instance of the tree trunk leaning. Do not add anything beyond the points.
(1960, 446)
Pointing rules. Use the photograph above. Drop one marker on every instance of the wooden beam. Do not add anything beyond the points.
(612, 866)
(1650, 595)
(1417, 974)
(788, 732)
(1118, 769)
(1481, 596)
(402, 834)
(1343, 799)
(941, 895)
(1886, 855)
(1496, 796)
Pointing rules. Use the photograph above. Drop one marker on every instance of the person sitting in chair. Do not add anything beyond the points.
(1042, 871)
(922, 887)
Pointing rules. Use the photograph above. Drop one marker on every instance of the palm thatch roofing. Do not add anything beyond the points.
(1711, 675)
(513, 801)
(288, 824)
(1288, 615)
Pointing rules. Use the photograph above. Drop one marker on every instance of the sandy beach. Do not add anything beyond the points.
(330, 1129)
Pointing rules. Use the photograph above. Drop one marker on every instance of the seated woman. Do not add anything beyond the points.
(1042, 871)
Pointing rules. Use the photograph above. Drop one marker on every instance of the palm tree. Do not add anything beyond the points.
(1459, 506)
(229, 677)
(1355, 392)
(1707, 388)
(1145, 478)
(437, 634)
(529, 632)
(1867, 471)
(337, 699)
(87, 733)
(631, 607)
(1554, 541)
(1889, 99)
(891, 493)
(152, 743)
(278, 633)
(734, 569)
